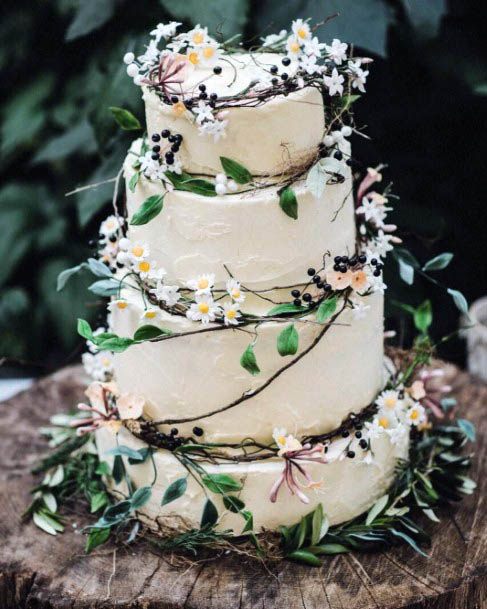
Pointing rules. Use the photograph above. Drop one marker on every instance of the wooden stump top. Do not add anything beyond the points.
(43, 572)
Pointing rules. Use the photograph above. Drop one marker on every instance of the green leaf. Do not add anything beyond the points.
(329, 549)
(91, 15)
(234, 170)
(249, 521)
(134, 181)
(326, 309)
(347, 100)
(438, 262)
(105, 287)
(50, 502)
(459, 300)
(423, 316)
(149, 332)
(103, 469)
(289, 203)
(44, 523)
(98, 268)
(305, 557)
(431, 515)
(118, 470)
(175, 490)
(468, 428)
(288, 341)
(65, 275)
(97, 537)
(249, 361)
(144, 454)
(210, 514)
(232, 503)
(149, 209)
(199, 187)
(98, 500)
(376, 509)
(221, 483)
(406, 256)
(140, 497)
(284, 309)
(84, 329)
(125, 119)
(406, 271)
(408, 540)
(116, 513)
(316, 523)
(125, 451)
(117, 344)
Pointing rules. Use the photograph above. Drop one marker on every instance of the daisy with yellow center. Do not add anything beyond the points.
(293, 47)
(301, 29)
(138, 251)
(150, 314)
(204, 309)
(210, 53)
(193, 57)
(389, 401)
(144, 268)
(416, 415)
(202, 284)
(109, 226)
(235, 291)
(197, 35)
(231, 313)
(119, 305)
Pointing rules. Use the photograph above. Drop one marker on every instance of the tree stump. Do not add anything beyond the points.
(40, 571)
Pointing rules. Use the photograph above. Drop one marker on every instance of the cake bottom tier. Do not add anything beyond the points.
(348, 487)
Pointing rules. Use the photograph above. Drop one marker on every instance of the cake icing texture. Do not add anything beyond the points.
(246, 316)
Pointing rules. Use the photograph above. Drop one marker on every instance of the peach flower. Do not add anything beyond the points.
(130, 406)
(359, 281)
(339, 281)
(417, 391)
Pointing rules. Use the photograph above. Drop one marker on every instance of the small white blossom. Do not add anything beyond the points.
(274, 39)
(231, 313)
(204, 309)
(360, 309)
(235, 291)
(150, 314)
(337, 51)
(99, 365)
(214, 128)
(165, 30)
(203, 112)
(301, 29)
(150, 57)
(313, 47)
(202, 284)
(334, 83)
(169, 294)
(416, 415)
(389, 401)
(138, 251)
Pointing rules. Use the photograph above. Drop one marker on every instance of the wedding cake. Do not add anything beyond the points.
(244, 254)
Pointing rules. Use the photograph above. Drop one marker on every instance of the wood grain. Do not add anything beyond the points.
(42, 572)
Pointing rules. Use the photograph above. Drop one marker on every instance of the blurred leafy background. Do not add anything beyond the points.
(61, 69)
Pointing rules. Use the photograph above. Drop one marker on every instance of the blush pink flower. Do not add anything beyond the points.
(359, 281)
(434, 390)
(102, 408)
(339, 281)
(130, 406)
(370, 178)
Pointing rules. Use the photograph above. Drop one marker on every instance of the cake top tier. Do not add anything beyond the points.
(268, 107)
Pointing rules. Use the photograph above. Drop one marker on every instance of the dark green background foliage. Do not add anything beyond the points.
(61, 64)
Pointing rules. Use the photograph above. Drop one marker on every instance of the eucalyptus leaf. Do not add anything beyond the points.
(459, 300)
(316, 180)
(98, 268)
(232, 503)
(376, 509)
(134, 181)
(288, 341)
(468, 428)
(288, 202)
(65, 275)
(305, 557)
(43, 523)
(326, 309)
(149, 209)
(91, 15)
(125, 118)
(317, 522)
(105, 287)
(330, 549)
(234, 170)
(140, 497)
(438, 262)
(249, 361)
(406, 271)
(125, 451)
(175, 490)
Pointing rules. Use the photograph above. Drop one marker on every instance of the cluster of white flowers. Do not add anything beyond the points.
(156, 168)
(98, 364)
(397, 412)
(223, 184)
(108, 240)
(205, 309)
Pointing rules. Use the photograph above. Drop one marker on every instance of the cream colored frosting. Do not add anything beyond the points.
(266, 139)
(349, 486)
(248, 232)
(190, 376)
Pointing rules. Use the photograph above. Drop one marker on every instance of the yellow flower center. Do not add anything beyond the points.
(203, 307)
(137, 251)
(105, 362)
(198, 37)
(231, 314)
(390, 402)
(144, 266)
(203, 283)
(236, 293)
(194, 58)
(414, 414)
(178, 108)
(121, 304)
(281, 440)
(383, 422)
(150, 314)
(208, 52)
(294, 46)
(302, 33)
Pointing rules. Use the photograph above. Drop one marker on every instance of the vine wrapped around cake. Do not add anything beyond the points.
(240, 383)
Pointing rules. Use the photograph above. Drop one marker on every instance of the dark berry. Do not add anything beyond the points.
(174, 431)
(112, 238)
(169, 156)
(345, 433)
(197, 431)
(92, 242)
(320, 285)
(307, 297)
(178, 138)
(203, 95)
(284, 76)
(274, 81)
(327, 287)
(165, 133)
(359, 426)
(350, 454)
(338, 155)
(363, 444)
(316, 279)
(295, 293)
(188, 103)
(156, 137)
(156, 148)
(373, 262)
(376, 273)
(175, 148)
(119, 265)
(170, 161)
(343, 268)
(358, 434)
(345, 259)
(174, 99)
(171, 138)
(214, 96)
(217, 70)
(362, 259)
(297, 302)
(212, 104)
(286, 61)
(154, 156)
(311, 271)
(349, 162)
(202, 87)
(274, 69)
(336, 267)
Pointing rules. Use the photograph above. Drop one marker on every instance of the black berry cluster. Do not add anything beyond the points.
(173, 139)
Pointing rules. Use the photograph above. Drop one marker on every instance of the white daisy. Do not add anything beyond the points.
(293, 47)
(235, 291)
(197, 36)
(169, 294)
(389, 401)
(337, 51)
(210, 53)
(334, 83)
(150, 314)
(99, 365)
(231, 313)
(204, 309)
(144, 268)
(156, 274)
(109, 226)
(416, 414)
(138, 251)
(301, 29)
(119, 304)
(202, 284)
